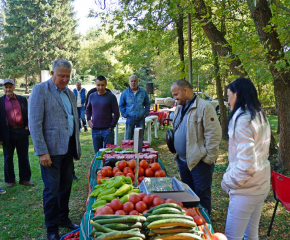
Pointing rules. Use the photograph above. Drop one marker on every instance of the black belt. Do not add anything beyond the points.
(16, 127)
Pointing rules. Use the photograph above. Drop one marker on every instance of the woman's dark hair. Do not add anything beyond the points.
(247, 98)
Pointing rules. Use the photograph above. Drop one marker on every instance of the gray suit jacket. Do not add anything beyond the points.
(48, 120)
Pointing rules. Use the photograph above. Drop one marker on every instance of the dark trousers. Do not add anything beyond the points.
(81, 113)
(101, 138)
(57, 181)
(199, 179)
(18, 138)
(130, 125)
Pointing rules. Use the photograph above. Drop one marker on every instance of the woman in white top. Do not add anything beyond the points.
(247, 179)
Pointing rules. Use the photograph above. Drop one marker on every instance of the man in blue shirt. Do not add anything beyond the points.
(134, 105)
(80, 96)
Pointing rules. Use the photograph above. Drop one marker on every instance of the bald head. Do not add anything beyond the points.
(181, 91)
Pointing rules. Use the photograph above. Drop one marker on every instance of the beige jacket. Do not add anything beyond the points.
(203, 133)
(249, 170)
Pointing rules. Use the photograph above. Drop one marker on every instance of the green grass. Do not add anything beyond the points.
(21, 213)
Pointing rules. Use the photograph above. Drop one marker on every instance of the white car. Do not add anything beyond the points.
(213, 102)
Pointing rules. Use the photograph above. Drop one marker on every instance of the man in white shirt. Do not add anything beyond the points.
(80, 96)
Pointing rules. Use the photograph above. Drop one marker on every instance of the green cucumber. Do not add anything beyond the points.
(123, 226)
(121, 234)
(123, 219)
(166, 210)
(153, 218)
(106, 217)
(100, 228)
(171, 205)
(173, 222)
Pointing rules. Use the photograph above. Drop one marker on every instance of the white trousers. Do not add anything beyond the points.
(243, 217)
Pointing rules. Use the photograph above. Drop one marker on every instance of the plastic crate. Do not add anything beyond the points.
(70, 233)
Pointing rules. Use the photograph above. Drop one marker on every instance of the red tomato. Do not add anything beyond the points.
(140, 179)
(198, 220)
(218, 236)
(122, 164)
(99, 209)
(116, 204)
(158, 201)
(119, 174)
(134, 212)
(144, 164)
(186, 211)
(155, 166)
(107, 210)
(134, 199)
(157, 173)
(127, 170)
(142, 195)
(145, 211)
(131, 175)
(107, 204)
(179, 203)
(99, 174)
(128, 207)
(149, 172)
(162, 173)
(154, 196)
(132, 164)
(120, 212)
(192, 212)
(99, 179)
(152, 206)
(140, 206)
(170, 200)
(109, 167)
(141, 171)
(116, 169)
(148, 200)
(99, 213)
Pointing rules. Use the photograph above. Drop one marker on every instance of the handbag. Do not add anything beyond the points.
(170, 132)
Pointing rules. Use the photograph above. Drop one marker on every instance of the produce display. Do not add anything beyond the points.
(127, 168)
(73, 235)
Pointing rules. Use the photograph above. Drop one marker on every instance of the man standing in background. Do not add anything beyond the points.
(54, 128)
(80, 96)
(14, 134)
(103, 114)
(134, 105)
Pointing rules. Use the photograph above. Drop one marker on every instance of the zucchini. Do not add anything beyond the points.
(96, 234)
(121, 234)
(172, 230)
(106, 217)
(101, 228)
(171, 205)
(123, 226)
(123, 219)
(166, 210)
(131, 238)
(171, 222)
(178, 236)
(153, 218)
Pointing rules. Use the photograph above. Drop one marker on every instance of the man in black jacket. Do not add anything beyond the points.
(14, 134)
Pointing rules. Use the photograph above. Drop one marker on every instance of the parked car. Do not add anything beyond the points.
(212, 101)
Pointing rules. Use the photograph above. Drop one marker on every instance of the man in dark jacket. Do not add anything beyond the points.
(14, 134)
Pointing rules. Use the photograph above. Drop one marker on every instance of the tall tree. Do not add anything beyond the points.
(38, 32)
(280, 70)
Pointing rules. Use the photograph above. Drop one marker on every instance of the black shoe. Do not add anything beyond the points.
(75, 177)
(54, 236)
(86, 129)
(68, 225)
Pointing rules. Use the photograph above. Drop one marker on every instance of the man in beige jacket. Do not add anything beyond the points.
(196, 140)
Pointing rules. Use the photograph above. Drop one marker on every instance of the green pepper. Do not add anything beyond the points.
(96, 192)
(107, 192)
(99, 157)
(104, 152)
(125, 198)
(136, 190)
(117, 149)
(123, 190)
(128, 180)
(99, 203)
(117, 183)
(132, 193)
(108, 197)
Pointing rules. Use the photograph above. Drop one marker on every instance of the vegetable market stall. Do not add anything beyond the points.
(86, 226)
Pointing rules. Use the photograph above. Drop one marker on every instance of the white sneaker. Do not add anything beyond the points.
(2, 191)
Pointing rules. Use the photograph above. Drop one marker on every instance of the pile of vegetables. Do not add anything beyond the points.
(107, 227)
(124, 168)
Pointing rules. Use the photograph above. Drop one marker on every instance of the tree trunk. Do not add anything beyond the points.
(273, 146)
(277, 110)
(217, 38)
(26, 85)
(261, 14)
(179, 28)
(219, 90)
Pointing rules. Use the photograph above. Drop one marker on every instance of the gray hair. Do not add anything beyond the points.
(78, 82)
(133, 76)
(61, 64)
(182, 84)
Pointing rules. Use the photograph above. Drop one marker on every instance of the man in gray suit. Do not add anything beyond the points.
(54, 128)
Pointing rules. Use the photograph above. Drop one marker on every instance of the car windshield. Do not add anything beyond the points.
(204, 96)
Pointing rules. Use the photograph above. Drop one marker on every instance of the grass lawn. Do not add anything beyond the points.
(21, 213)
